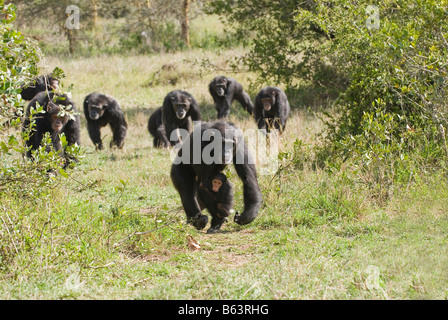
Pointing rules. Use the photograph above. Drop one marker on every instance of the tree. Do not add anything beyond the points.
(397, 64)
(185, 23)
(280, 50)
(58, 15)
(161, 14)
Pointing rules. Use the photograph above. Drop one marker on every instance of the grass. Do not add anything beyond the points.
(317, 236)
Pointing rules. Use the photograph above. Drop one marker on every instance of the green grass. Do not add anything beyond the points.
(317, 237)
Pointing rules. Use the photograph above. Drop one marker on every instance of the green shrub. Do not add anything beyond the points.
(392, 65)
(24, 184)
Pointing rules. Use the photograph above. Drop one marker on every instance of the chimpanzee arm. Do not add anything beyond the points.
(283, 108)
(72, 131)
(34, 141)
(224, 202)
(252, 195)
(117, 123)
(169, 129)
(195, 113)
(258, 114)
(224, 207)
(160, 136)
(95, 134)
(36, 134)
(224, 107)
(30, 91)
(184, 180)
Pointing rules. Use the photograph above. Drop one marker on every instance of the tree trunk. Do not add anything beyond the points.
(185, 23)
(71, 40)
(95, 12)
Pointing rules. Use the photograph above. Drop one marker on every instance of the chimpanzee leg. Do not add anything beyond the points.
(216, 223)
(95, 134)
(224, 108)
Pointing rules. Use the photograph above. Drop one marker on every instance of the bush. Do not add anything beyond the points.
(391, 118)
(403, 62)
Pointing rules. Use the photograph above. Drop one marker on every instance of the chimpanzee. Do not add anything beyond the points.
(55, 120)
(224, 90)
(29, 91)
(206, 151)
(101, 110)
(42, 83)
(217, 197)
(179, 109)
(157, 129)
(271, 109)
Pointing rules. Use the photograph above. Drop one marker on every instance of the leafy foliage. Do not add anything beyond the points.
(19, 66)
(392, 115)
(401, 67)
(280, 51)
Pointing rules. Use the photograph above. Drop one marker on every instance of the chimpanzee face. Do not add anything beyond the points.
(216, 181)
(228, 150)
(96, 111)
(269, 102)
(54, 83)
(57, 120)
(220, 86)
(216, 185)
(181, 105)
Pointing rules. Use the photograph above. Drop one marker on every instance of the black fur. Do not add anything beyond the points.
(186, 172)
(157, 129)
(43, 122)
(278, 114)
(224, 90)
(101, 110)
(30, 90)
(179, 109)
(42, 83)
(219, 203)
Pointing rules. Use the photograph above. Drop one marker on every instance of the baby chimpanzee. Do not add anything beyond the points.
(217, 197)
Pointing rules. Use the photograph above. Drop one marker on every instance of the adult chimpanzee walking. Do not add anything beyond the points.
(224, 90)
